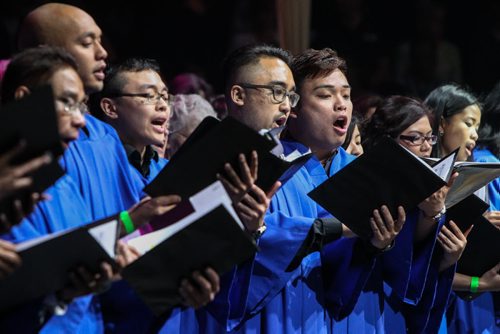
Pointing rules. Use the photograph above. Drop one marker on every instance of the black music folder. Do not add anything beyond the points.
(481, 253)
(198, 161)
(210, 146)
(33, 119)
(47, 260)
(467, 212)
(387, 174)
(214, 240)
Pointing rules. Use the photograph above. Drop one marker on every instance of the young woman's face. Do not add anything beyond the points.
(355, 147)
(460, 130)
(413, 134)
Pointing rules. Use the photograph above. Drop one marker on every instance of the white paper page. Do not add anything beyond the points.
(275, 135)
(33, 242)
(105, 235)
(443, 168)
(295, 155)
(203, 202)
(482, 194)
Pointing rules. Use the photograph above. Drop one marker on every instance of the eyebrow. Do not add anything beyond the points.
(280, 83)
(149, 86)
(332, 87)
(90, 34)
(418, 132)
(70, 93)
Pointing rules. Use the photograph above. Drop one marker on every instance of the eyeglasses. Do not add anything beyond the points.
(279, 93)
(419, 140)
(74, 108)
(148, 98)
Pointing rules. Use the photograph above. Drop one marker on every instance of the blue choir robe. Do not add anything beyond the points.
(485, 155)
(261, 295)
(65, 209)
(480, 315)
(400, 279)
(323, 287)
(98, 164)
(124, 311)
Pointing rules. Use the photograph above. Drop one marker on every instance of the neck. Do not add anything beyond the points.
(320, 152)
(324, 156)
(138, 147)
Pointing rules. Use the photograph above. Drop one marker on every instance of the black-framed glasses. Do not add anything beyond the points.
(148, 98)
(279, 92)
(419, 140)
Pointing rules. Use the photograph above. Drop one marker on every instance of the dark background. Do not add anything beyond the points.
(195, 35)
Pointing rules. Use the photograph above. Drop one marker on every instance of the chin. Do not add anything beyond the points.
(93, 87)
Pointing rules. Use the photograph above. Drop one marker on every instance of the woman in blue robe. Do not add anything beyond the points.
(411, 282)
(479, 315)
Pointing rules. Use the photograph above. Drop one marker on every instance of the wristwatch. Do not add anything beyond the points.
(259, 232)
(438, 216)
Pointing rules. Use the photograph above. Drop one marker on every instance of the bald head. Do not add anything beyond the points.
(73, 29)
(48, 24)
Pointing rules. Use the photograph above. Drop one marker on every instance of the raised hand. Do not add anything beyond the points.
(384, 228)
(432, 205)
(200, 289)
(493, 217)
(453, 242)
(14, 178)
(252, 208)
(148, 208)
(237, 186)
(9, 259)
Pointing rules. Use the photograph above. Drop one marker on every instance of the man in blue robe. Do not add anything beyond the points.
(64, 207)
(287, 286)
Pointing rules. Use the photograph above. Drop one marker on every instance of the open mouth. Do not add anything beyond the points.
(159, 125)
(280, 121)
(341, 124)
(469, 147)
(99, 72)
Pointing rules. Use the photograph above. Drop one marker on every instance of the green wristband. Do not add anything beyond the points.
(474, 284)
(127, 222)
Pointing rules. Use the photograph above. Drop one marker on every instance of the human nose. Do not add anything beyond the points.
(78, 120)
(474, 134)
(100, 51)
(426, 145)
(286, 105)
(339, 104)
(161, 104)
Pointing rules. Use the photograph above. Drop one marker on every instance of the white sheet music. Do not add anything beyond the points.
(203, 202)
(443, 168)
(105, 235)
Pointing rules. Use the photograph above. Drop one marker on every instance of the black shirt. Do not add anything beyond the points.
(134, 157)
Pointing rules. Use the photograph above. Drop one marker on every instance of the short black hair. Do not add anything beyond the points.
(33, 68)
(313, 63)
(247, 55)
(114, 81)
